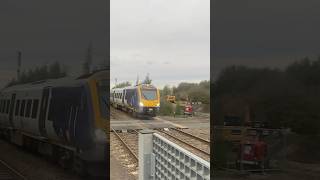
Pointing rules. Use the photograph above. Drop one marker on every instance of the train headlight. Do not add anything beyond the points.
(158, 104)
(141, 104)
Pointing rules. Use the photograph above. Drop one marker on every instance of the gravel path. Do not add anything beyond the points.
(121, 154)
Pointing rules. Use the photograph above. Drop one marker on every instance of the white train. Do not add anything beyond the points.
(140, 100)
(63, 118)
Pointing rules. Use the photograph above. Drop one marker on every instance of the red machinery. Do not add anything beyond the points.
(188, 110)
(253, 152)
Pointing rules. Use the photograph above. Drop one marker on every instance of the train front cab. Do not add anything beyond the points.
(149, 100)
(99, 87)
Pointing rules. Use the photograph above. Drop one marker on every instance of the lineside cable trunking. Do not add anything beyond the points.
(161, 159)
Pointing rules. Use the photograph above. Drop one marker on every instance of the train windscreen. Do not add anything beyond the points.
(149, 94)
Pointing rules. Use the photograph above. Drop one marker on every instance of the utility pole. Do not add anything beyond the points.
(137, 82)
(19, 65)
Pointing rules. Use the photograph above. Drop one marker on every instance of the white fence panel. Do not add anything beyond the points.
(165, 160)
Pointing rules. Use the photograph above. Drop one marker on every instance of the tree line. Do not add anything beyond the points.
(195, 92)
(147, 80)
(52, 71)
(281, 98)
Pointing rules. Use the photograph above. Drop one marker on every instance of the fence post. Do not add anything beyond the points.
(145, 154)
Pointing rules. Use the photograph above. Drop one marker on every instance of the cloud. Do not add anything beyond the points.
(168, 39)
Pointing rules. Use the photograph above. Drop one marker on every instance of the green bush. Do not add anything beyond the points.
(166, 108)
(178, 109)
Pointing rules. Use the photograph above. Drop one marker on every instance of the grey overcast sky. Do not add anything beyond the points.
(264, 33)
(47, 31)
(170, 39)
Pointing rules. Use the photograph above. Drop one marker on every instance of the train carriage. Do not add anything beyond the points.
(140, 100)
(65, 118)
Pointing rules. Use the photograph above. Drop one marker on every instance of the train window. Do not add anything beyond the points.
(4, 102)
(23, 104)
(3, 106)
(28, 109)
(50, 110)
(17, 107)
(8, 104)
(102, 87)
(35, 108)
(149, 94)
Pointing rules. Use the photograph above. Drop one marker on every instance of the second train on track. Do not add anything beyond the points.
(140, 100)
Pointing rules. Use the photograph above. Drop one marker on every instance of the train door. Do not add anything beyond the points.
(13, 99)
(112, 96)
(49, 122)
(43, 111)
(123, 95)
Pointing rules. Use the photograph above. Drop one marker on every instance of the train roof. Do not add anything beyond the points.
(134, 87)
(65, 81)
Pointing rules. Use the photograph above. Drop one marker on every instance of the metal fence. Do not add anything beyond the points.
(161, 159)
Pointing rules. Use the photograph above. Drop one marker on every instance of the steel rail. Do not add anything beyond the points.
(193, 136)
(126, 145)
(204, 152)
(13, 171)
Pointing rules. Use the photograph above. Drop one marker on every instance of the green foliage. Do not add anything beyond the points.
(166, 108)
(165, 91)
(281, 98)
(122, 85)
(178, 109)
(147, 80)
(196, 92)
(52, 71)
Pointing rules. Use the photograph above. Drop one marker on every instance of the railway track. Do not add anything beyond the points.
(193, 136)
(133, 148)
(9, 173)
(196, 145)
